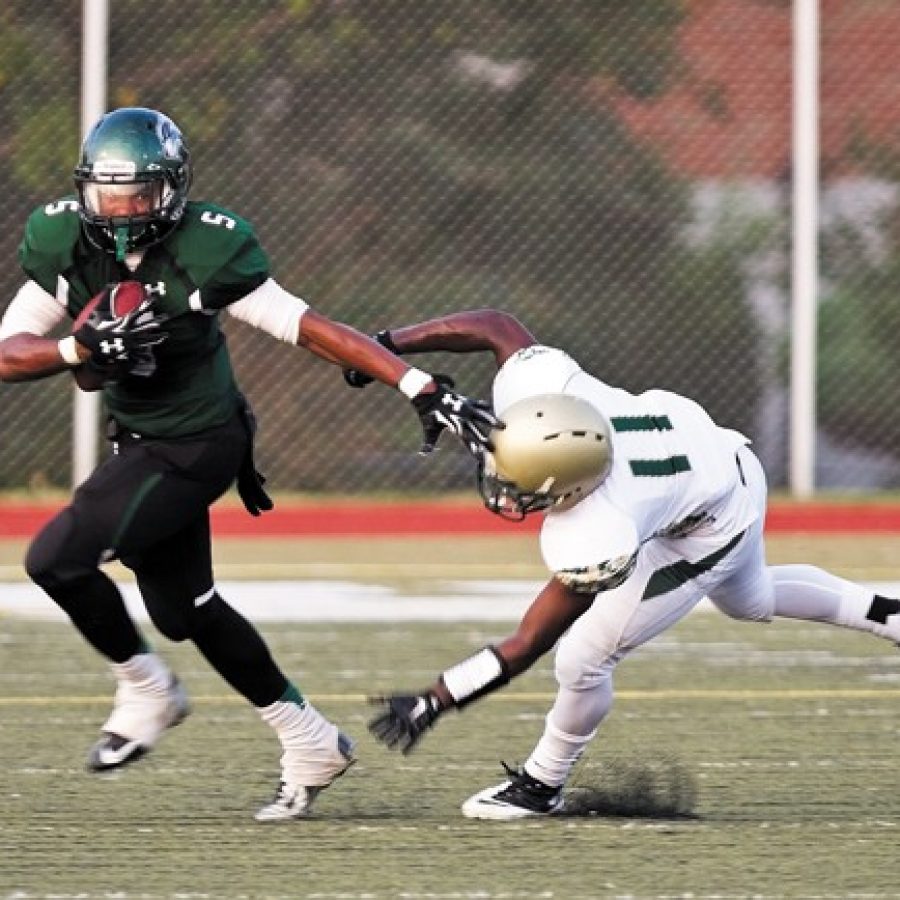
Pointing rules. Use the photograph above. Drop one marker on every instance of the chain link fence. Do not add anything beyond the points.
(614, 174)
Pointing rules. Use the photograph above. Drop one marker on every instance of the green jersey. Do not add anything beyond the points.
(211, 259)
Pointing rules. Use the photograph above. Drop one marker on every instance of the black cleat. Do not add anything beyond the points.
(519, 797)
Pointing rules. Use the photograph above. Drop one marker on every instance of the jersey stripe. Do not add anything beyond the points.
(667, 579)
(658, 468)
(641, 423)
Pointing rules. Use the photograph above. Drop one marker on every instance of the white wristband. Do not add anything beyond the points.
(68, 350)
(412, 382)
(480, 674)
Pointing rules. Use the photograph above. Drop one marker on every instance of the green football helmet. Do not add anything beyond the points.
(132, 179)
(554, 450)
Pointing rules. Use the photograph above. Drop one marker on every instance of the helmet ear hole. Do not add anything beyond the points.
(555, 450)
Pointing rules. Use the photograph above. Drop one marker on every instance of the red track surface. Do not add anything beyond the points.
(405, 519)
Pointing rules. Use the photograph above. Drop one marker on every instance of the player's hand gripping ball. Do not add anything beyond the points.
(120, 328)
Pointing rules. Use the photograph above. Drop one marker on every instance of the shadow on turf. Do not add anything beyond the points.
(663, 789)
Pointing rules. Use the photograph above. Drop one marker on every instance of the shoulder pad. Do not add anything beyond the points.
(51, 234)
(54, 225)
(594, 530)
(215, 246)
(207, 228)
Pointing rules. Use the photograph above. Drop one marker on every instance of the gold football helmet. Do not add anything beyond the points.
(554, 450)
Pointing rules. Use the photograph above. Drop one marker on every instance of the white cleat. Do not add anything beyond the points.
(140, 716)
(293, 801)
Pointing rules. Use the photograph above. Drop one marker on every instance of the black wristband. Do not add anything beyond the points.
(435, 704)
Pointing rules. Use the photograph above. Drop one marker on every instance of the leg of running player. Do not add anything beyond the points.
(137, 499)
(176, 580)
(125, 506)
(600, 640)
(759, 591)
(617, 622)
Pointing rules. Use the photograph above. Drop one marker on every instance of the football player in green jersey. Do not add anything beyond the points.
(182, 433)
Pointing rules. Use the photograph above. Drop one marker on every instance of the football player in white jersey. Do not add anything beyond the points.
(650, 506)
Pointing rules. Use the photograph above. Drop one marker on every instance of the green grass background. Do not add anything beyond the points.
(785, 736)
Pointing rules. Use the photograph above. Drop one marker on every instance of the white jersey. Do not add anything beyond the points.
(674, 471)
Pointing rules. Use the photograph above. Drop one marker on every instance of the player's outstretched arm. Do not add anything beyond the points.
(470, 331)
(439, 407)
(402, 719)
(338, 343)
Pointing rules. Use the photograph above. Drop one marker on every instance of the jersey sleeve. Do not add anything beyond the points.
(46, 250)
(244, 273)
(591, 547)
(222, 255)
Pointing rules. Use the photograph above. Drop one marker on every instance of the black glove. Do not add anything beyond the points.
(357, 379)
(128, 339)
(251, 491)
(250, 481)
(141, 363)
(470, 420)
(403, 719)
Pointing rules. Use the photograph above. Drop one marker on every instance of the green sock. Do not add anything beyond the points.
(292, 695)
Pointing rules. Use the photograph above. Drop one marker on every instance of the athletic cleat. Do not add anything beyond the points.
(519, 797)
(140, 715)
(293, 801)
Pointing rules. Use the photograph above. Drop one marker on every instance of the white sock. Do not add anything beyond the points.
(555, 754)
(144, 670)
(571, 724)
(812, 594)
(309, 740)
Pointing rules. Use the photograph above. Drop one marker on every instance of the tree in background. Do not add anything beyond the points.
(402, 159)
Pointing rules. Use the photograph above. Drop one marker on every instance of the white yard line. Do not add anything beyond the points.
(340, 601)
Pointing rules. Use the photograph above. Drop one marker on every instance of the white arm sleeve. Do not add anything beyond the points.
(33, 311)
(273, 309)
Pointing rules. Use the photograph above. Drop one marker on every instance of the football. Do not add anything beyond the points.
(125, 297)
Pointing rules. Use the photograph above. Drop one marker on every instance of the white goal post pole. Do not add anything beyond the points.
(94, 47)
(804, 261)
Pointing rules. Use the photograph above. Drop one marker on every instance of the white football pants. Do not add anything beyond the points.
(740, 584)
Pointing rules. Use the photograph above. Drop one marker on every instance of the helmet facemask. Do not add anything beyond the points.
(553, 452)
(148, 222)
(504, 498)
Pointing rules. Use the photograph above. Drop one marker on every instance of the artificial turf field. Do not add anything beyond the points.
(740, 760)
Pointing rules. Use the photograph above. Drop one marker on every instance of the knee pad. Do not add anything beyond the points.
(174, 624)
(758, 612)
(576, 671)
(751, 602)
